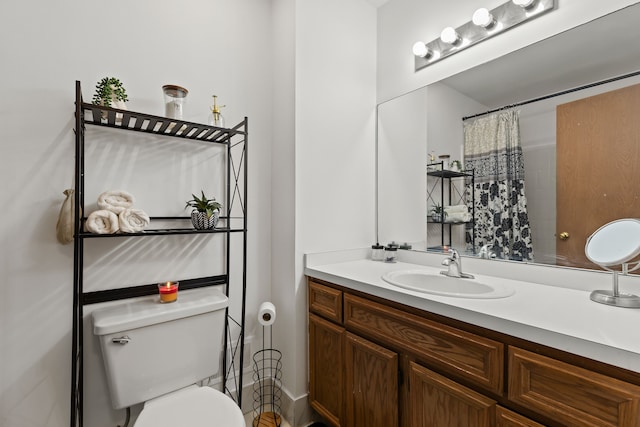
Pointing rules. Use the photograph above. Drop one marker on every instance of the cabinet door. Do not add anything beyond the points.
(436, 401)
(507, 418)
(371, 384)
(326, 369)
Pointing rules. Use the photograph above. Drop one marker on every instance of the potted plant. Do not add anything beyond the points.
(456, 166)
(437, 213)
(205, 213)
(110, 92)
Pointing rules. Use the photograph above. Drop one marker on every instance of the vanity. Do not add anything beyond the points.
(383, 355)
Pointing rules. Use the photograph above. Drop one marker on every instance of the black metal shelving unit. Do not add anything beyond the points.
(441, 190)
(235, 142)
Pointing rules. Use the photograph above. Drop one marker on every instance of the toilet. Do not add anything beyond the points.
(157, 354)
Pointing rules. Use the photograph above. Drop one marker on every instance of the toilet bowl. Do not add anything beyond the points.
(191, 407)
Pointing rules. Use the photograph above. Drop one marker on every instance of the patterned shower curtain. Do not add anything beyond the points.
(492, 149)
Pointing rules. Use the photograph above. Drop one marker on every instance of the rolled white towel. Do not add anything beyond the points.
(133, 220)
(102, 222)
(457, 217)
(115, 201)
(456, 209)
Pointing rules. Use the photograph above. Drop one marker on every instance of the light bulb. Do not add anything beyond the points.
(420, 49)
(449, 35)
(483, 18)
(524, 3)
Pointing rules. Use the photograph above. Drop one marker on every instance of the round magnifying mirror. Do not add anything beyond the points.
(614, 243)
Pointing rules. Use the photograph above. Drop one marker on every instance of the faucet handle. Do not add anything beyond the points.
(454, 254)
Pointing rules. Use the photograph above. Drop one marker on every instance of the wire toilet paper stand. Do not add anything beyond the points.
(267, 378)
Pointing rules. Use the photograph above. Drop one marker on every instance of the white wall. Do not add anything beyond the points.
(334, 158)
(208, 47)
(283, 209)
(245, 52)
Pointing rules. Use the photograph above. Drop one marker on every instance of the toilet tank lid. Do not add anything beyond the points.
(149, 311)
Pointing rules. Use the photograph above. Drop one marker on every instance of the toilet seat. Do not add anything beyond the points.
(191, 407)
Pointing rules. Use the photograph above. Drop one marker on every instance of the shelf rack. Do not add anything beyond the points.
(235, 142)
(453, 195)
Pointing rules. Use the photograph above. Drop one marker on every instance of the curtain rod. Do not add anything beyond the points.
(553, 95)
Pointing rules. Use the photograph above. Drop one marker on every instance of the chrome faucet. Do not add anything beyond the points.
(454, 264)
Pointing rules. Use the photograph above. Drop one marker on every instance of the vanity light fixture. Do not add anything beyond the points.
(483, 18)
(484, 24)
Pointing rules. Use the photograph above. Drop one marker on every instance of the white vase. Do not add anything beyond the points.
(115, 103)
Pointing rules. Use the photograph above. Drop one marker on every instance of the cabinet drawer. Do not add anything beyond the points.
(325, 301)
(569, 394)
(459, 353)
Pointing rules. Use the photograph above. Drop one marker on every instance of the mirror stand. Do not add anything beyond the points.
(614, 297)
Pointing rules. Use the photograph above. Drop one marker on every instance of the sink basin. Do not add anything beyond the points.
(438, 284)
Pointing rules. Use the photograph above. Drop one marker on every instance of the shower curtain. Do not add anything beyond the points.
(492, 149)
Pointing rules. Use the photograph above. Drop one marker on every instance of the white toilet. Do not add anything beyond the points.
(157, 353)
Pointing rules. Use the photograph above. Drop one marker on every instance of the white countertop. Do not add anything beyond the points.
(559, 317)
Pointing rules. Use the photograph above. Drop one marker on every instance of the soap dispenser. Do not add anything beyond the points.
(216, 119)
(377, 252)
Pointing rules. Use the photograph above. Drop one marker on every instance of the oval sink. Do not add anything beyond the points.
(438, 284)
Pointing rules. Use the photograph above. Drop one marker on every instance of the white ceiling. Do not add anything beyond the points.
(603, 48)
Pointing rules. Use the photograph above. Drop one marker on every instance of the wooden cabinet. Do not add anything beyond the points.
(438, 401)
(377, 363)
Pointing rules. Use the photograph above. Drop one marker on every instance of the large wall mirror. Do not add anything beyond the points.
(580, 150)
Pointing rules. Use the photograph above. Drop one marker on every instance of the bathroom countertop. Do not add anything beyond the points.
(559, 317)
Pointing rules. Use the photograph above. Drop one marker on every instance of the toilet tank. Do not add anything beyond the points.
(150, 349)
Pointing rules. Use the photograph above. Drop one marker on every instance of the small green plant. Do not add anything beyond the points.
(456, 165)
(204, 204)
(438, 213)
(107, 89)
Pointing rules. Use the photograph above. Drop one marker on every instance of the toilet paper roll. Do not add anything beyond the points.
(267, 314)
